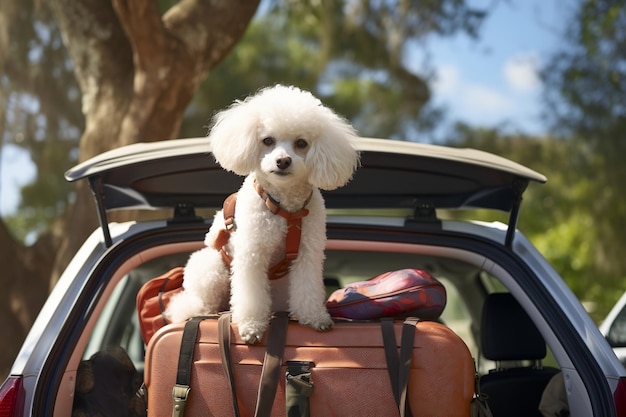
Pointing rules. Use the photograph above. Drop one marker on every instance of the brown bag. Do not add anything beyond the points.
(152, 300)
(348, 370)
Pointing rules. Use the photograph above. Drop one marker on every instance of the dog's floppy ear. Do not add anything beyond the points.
(332, 157)
(234, 138)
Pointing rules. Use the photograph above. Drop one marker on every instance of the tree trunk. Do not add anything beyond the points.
(26, 274)
(138, 70)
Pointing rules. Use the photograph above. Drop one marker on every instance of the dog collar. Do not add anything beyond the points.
(274, 205)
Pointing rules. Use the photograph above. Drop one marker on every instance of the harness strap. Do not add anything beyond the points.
(292, 239)
(229, 212)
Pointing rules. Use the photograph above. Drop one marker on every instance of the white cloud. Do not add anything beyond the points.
(486, 99)
(446, 80)
(16, 170)
(521, 72)
(479, 98)
(470, 100)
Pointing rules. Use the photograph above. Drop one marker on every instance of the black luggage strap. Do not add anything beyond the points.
(223, 327)
(391, 356)
(479, 406)
(181, 390)
(272, 362)
(399, 369)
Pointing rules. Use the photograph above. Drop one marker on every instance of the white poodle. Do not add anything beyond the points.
(289, 145)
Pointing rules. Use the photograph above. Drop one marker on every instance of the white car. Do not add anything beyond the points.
(614, 328)
(521, 322)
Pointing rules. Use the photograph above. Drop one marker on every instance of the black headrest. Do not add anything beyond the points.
(507, 332)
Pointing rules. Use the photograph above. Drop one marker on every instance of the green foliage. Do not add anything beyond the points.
(585, 89)
(42, 115)
(586, 81)
(559, 216)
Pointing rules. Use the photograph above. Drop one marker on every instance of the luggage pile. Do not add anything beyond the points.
(382, 366)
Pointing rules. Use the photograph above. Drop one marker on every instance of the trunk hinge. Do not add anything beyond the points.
(519, 186)
(184, 213)
(425, 215)
(95, 183)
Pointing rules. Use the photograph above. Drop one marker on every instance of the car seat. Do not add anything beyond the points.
(508, 334)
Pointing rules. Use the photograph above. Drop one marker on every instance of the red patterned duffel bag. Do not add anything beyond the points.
(402, 293)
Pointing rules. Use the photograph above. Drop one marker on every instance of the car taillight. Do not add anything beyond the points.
(619, 396)
(11, 397)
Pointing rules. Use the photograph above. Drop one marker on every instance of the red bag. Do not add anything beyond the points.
(152, 300)
(407, 292)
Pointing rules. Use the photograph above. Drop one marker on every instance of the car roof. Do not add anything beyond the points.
(393, 174)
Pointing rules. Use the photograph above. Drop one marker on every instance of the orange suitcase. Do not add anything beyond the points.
(348, 371)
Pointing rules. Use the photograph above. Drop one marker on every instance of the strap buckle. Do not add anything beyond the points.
(230, 224)
(179, 394)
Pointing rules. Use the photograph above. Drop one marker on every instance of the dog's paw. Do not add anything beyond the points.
(322, 322)
(251, 331)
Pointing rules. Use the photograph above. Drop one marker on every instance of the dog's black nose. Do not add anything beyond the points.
(283, 163)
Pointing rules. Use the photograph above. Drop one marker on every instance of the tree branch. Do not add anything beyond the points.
(99, 49)
(172, 55)
(209, 28)
(141, 21)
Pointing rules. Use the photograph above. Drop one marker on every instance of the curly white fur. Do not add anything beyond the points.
(293, 146)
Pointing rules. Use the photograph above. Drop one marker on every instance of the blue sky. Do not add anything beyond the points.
(16, 169)
(486, 82)
(494, 80)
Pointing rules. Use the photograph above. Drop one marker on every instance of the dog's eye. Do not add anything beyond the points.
(301, 144)
(268, 141)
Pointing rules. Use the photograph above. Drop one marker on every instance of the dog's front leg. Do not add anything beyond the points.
(250, 299)
(307, 294)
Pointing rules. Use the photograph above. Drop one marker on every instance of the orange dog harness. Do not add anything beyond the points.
(292, 239)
